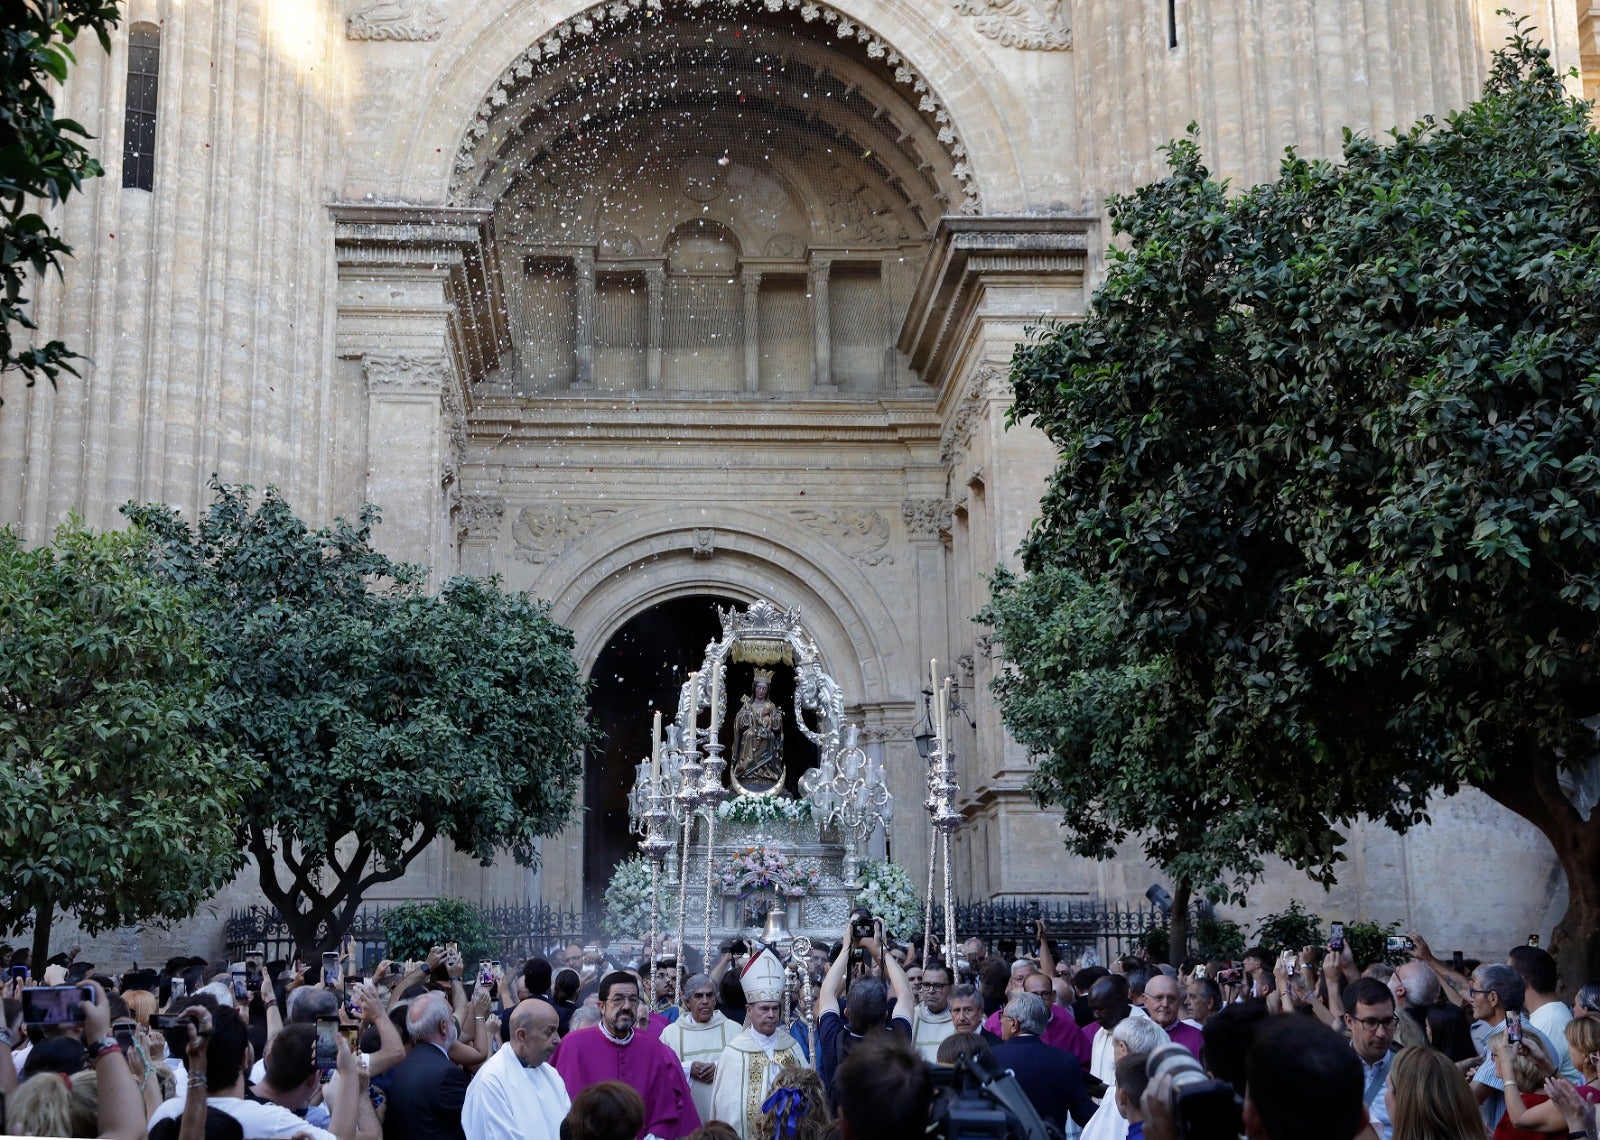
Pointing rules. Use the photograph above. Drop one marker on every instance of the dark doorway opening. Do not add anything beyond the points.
(639, 671)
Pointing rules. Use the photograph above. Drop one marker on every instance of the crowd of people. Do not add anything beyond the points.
(864, 1040)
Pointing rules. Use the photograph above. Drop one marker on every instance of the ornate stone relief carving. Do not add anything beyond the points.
(402, 374)
(957, 436)
(455, 411)
(541, 533)
(1033, 25)
(785, 245)
(967, 665)
(605, 17)
(620, 243)
(703, 543)
(926, 518)
(883, 733)
(395, 20)
(855, 211)
(983, 644)
(861, 533)
(478, 518)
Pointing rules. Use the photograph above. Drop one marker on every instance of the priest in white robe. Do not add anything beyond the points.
(932, 1023)
(517, 1094)
(764, 1048)
(698, 1037)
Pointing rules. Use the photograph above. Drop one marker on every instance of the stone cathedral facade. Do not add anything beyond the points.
(640, 300)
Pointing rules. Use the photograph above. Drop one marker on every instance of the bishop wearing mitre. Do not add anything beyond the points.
(748, 1064)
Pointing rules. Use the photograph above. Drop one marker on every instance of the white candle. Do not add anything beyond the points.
(716, 699)
(694, 707)
(655, 750)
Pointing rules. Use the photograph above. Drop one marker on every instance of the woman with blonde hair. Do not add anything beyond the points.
(1428, 1098)
(55, 1104)
(141, 1005)
(795, 1109)
(1533, 1113)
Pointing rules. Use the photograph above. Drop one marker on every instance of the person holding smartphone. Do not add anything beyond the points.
(866, 1006)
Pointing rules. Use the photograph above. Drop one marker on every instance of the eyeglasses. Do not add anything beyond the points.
(1478, 993)
(1373, 1024)
(620, 1000)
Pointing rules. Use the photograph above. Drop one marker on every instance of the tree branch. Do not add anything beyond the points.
(394, 870)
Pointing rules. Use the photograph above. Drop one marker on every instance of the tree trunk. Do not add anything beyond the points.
(1178, 922)
(1576, 942)
(1534, 793)
(43, 917)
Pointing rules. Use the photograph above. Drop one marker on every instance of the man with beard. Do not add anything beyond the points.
(747, 1067)
(615, 1051)
(932, 1024)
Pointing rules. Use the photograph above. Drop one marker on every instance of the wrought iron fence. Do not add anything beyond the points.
(517, 932)
(1074, 926)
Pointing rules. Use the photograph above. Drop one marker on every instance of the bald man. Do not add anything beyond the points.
(517, 1094)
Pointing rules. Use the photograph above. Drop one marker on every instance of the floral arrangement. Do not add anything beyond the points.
(764, 810)
(759, 869)
(887, 891)
(628, 899)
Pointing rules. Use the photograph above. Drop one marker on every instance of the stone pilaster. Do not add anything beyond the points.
(817, 275)
(750, 279)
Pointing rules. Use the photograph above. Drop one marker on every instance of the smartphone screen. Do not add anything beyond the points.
(352, 1004)
(330, 968)
(1336, 937)
(180, 988)
(485, 974)
(54, 1005)
(124, 1031)
(1513, 1026)
(17, 972)
(236, 975)
(327, 1053)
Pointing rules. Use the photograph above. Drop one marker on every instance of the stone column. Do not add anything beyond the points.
(655, 284)
(751, 280)
(406, 451)
(583, 269)
(822, 373)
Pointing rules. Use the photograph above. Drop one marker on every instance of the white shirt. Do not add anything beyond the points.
(258, 1120)
(1551, 1019)
(509, 1101)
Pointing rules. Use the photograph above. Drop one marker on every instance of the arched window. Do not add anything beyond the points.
(139, 122)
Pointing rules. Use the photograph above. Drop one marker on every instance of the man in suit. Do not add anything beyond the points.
(428, 1088)
(1052, 1078)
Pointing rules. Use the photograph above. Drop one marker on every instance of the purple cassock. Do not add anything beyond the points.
(644, 1064)
(1186, 1035)
(1062, 1033)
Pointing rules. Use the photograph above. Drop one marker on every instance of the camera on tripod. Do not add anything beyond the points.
(1202, 1109)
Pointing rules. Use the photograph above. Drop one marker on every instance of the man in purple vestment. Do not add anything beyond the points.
(1062, 1031)
(615, 1051)
(1163, 1001)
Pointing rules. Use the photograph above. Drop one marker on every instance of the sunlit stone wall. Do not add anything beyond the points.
(430, 254)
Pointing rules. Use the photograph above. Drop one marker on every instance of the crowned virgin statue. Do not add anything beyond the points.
(758, 740)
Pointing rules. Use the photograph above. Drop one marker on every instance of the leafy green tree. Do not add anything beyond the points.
(382, 715)
(412, 929)
(114, 808)
(1328, 447)
(40, 160)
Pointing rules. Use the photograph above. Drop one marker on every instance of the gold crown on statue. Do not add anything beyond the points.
(764, 675)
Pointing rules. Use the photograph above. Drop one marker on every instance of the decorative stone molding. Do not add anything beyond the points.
(478, 518)
(703, 542)
(396, 20)
(967, 665)
(455, 411)
(861, 533)
(884, 733)
(926, 518)
(540, 533)
(403, 374)
(983, 645)
(610, 16)
(956, 438)
(1030, 25)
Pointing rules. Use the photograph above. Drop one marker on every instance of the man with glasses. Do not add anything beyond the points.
(1495, 991)
(932, 1023)
(1372, 1027)
(615, 1050)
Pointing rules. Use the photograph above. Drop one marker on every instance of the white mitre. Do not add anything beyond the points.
(763, 978)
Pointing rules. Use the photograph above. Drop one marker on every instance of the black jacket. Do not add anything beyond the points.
(425, 1097)
(1051, 1077)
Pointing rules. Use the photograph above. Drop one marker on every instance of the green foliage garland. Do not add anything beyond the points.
(627, 899)
(887, 891)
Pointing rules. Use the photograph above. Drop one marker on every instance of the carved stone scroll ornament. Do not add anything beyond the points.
(395, 20)
(405, 375)
(969, 409)
(861, 533)
(478, 518)
(541, 533)
(1031, 25)
(926, 519)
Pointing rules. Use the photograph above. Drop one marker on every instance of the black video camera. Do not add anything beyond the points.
(977, 1098)
(861, 924)
(1202, 1109)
